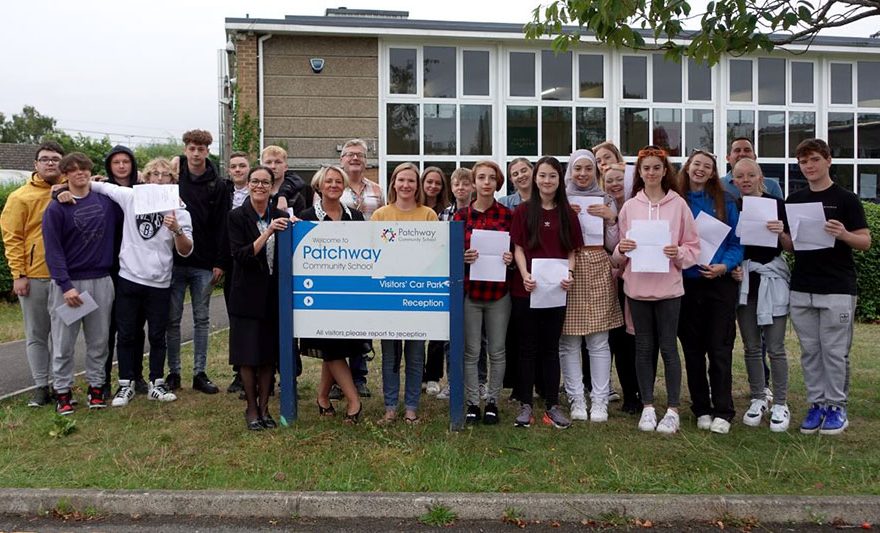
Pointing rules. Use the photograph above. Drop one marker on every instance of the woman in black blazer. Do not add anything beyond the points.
(253, 296)
(330, 182)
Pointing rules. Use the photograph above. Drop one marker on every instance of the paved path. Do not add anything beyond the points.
(16, 375)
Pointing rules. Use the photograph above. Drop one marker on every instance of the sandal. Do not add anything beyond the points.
(353, 419)
(326, 411)
(412, 420)
(389, 418)
(268, 422)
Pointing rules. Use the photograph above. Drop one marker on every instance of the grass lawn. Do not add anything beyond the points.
(200, 442)
(11, 324)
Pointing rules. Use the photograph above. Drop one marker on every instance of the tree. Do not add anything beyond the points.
(29, 126)
(735, 27)
(96, 149)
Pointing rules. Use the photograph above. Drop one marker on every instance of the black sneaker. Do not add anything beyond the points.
(363, 390)
(172, 382)
(473, 414)
(490, 415)
(203, 384)
(236, 385)
(42, 396)
(62, 403)
(95, 398)
(141, 386)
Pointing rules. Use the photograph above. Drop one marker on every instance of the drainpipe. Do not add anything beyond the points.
(260, 88)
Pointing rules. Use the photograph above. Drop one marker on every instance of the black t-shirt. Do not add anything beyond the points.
(829, 270)
(764, 254)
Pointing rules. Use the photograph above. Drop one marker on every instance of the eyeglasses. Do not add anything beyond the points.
(354, 155)
(261, 183)
(653, 152)
(156, 174)
(49, 160)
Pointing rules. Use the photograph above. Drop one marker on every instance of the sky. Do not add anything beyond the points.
(147, 71)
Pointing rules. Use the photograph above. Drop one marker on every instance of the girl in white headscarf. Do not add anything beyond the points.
(593, 307)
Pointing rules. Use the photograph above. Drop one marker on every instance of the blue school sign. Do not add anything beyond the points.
(371, 280)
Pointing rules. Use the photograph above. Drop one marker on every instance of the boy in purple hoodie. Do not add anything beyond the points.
(79, 252)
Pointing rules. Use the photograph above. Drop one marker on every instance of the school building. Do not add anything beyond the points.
(450, 93)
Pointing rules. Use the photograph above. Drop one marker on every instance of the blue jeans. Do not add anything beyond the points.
(358, 366)
(414, 353)
(199, 282)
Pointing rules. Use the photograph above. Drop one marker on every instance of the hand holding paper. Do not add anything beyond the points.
(650, 236)
(491, 247)
(154, 198)
(592, 227)
(712, 234)
(752, 229)
(807, 223)
(548, 275)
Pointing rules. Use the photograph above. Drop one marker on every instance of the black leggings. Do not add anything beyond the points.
(656, 323)
(539, 347)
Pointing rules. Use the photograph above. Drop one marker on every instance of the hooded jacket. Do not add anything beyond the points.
(654, 285)
(22, 225)
(207, 201)
(730, 253)
(292, 188)
(132, 176)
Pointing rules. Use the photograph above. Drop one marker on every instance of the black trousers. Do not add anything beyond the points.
(138, 365)
(135, 305)
(539, 348)
(706, 329)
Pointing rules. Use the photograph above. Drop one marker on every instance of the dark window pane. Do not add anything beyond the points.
(522, 130)
(842, 175)
(841, 83)
(869, 135)
(841, 134)
(556, 130)
(592, 76)
(522, 74)
(402, 62)
(448, 167)
(633, 130)
(555, 75)
(774, 172)
(699, 129)
(801, 82)
(439, 71)
(590, 127)
(771, 134)
(635, 77)
(403, 129)
(740, 123)
(771, 81)
(389, 169)
(796, 179)
(699, 81)
(868, 177)
(801, 126)
(869, 83)
(439, 129)
(476, 130)
(667, 79)
(740, 80)
(476, 72)
(667, 130)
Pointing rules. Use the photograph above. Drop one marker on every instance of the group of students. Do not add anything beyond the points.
(137, 267)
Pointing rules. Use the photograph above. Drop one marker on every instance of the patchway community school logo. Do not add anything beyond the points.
(389, 235)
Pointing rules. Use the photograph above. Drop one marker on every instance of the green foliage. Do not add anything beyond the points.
(96, 149)
(62, 426)
(726, 26)
(27, 127)
(245, 129)
(438, 516)
(868, 268)
(147, 152)
(5, 275)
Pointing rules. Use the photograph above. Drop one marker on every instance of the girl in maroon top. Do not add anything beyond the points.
(543, 227)
(486, 302)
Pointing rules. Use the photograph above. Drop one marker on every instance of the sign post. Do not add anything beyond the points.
(372, 280)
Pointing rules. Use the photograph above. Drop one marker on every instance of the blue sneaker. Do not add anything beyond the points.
(835, 421)
(813, 421)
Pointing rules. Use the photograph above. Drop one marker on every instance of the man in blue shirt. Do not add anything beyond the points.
(741, 148)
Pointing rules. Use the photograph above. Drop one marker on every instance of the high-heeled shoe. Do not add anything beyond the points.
(326, 411)
(268, 422)
(352, 419)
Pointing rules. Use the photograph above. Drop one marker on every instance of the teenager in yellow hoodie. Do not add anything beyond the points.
(21, 223)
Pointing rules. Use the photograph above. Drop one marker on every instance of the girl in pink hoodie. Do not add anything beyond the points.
(654, 298)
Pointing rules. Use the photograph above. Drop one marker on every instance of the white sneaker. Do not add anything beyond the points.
(756, 411)
(779, 418)
(599, 412)
(158, 392)
(444, 393)
(704, 422)
(124, 394)
(432, 388)
(720, 426)
(669, 424)
(484, 391)
(768, 395)
(648, 421)
(579, 409)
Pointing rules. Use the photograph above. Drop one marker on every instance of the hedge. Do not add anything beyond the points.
(867, 264)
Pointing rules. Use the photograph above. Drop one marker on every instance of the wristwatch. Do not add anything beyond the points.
(178, 232)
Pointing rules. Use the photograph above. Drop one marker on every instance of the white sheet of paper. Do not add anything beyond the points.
(592, 227)
(807, 223)
(650, 236)
(155, 198)
(491, 246)
(548, 274)
(752, 228)
(712, 233)
(69, 315)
